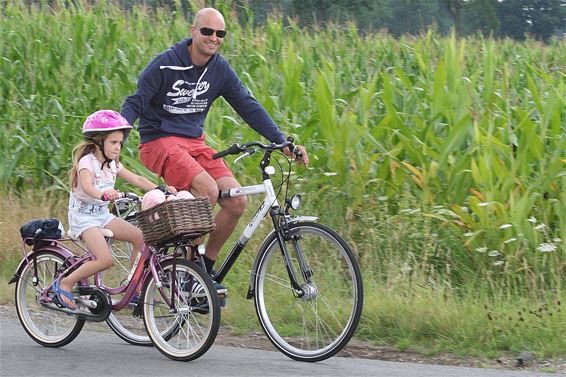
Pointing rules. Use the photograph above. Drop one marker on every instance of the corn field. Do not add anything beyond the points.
(462, 140)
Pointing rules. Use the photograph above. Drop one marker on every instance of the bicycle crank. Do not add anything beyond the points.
(96, 308)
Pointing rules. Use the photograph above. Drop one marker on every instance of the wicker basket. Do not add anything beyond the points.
(175, 220)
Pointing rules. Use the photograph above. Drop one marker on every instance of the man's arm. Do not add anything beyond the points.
(240, 98)
(148, 86)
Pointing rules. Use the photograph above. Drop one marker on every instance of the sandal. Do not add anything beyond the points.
(59, 293)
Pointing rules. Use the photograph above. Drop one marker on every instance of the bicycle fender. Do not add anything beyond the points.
(65, 254)
(303, 219)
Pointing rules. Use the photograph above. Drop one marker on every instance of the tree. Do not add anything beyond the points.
(454, 8)
(539, 18)
(415, 16)
(481, 16)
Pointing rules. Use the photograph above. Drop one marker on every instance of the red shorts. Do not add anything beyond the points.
(179, 160)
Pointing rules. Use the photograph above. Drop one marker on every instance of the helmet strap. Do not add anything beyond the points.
(107, 160)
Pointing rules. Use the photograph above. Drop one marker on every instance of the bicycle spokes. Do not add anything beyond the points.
(316, 321)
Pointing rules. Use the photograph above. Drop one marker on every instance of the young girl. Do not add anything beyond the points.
(93, 175)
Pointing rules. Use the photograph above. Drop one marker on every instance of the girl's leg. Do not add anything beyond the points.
(124, 231)
(96, 244)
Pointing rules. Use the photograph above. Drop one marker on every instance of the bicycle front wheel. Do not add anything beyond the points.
(48, 327)
(124, 324)
(316, 321)
(194, 314)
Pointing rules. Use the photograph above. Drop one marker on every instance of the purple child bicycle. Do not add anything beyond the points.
(178, 304)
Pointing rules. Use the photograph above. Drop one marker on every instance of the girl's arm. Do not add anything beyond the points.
(85, 178)
(140, 181)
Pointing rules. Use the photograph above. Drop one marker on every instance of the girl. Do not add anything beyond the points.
(93, 175)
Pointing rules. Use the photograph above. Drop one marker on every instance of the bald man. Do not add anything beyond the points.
(174, 94)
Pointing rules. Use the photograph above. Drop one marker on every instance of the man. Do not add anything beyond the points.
(174, 95)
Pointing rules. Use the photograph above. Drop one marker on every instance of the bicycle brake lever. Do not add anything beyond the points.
(241, 156)
(248, 152)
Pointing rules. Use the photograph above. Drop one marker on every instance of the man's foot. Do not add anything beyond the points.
(135, 299)
(198, 300)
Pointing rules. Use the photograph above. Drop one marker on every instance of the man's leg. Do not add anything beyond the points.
(231, 209)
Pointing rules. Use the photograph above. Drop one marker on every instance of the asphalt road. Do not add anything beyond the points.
(104, 354)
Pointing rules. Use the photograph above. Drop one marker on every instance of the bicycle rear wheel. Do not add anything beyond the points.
(195, 315)
(316, 323)
(47, 327)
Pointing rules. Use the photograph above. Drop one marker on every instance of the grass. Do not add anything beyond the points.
(410, 308)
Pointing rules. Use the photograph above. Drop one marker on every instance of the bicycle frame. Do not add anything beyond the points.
(268, 205)
(138, 273)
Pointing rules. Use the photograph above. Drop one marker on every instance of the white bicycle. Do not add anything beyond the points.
(305, 280)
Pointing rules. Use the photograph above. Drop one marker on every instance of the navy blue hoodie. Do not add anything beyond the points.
(174, 97)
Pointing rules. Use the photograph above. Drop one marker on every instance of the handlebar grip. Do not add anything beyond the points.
(233, 149)
(121, 195)
(293, 149)
(221, 154)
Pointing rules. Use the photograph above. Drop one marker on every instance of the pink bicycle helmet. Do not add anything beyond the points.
(106, 121)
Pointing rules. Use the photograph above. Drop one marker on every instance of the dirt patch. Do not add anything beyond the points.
(366, 350)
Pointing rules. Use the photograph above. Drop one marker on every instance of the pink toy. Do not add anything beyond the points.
(152, 198)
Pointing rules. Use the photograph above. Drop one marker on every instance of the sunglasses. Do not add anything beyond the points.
(206, 31)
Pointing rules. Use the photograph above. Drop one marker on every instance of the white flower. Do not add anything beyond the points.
(493, 253)
(468, 234)
(498, 263)
(540, 227)
(406, 268)
(505, 226)
(532, 220)
(510, 240)
(410, 211)
(481, 249)
(546, 247)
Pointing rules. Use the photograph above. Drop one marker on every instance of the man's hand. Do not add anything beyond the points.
(172, 190)
(303, 153)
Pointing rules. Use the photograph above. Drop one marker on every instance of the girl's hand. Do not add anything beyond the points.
(110, 195)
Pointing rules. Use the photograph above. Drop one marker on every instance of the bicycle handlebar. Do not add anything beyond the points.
(242, 148)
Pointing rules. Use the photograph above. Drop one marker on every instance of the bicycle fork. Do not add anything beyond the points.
(308, 290)
(283, 235)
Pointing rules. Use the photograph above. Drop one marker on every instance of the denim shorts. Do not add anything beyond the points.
(81, 219)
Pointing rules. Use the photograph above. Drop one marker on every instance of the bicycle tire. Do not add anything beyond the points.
(48, 327)
(319, 324)
(196, 328)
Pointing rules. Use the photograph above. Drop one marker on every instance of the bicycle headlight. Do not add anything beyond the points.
(269, 170)
(295, 201)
